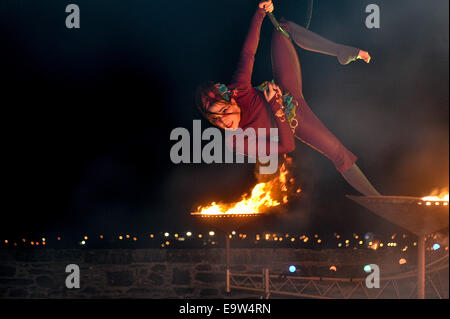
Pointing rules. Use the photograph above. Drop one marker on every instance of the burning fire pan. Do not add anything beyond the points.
(229, 222)
(416, 215)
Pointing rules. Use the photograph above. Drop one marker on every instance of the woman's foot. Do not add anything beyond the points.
(356, 178)
(364, 55)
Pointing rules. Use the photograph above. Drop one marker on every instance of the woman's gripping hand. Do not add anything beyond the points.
(266, 5)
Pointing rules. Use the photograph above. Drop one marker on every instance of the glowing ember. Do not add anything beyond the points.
(437, 196)
(263, 196)
(374, 245)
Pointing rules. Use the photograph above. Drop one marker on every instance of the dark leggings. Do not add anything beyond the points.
(310, 130)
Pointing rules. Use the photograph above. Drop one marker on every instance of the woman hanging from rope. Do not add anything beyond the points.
(281, 102)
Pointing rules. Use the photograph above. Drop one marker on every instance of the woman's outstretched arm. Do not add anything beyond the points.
(243, 73)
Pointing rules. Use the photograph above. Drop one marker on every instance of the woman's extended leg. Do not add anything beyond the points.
(311, 41)
(310, 130)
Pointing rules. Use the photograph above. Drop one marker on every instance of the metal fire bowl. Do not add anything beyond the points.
(230, 222)
(411, 213)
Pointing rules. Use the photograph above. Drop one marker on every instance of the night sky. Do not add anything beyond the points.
(87, 113)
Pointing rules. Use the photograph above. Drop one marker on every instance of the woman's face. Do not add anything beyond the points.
(226, 115)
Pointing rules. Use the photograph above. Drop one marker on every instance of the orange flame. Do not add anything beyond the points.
(263, 196)
(440, 195)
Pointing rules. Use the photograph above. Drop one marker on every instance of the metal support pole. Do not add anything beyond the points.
(266, 283)
(421, 267)
(227, 252)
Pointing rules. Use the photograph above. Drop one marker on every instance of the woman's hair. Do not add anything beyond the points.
(209, 93)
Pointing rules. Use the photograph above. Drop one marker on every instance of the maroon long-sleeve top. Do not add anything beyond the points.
(256, 112)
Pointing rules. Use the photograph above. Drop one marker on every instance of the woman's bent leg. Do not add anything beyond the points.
(310, 130)
(311, 41)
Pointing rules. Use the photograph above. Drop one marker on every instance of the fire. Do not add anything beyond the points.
(263, 196)
(260, 197)
(437, 195)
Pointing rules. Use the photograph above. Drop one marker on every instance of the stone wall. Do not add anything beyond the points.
(167, 273)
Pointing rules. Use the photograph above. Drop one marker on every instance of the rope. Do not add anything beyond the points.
(309, 13)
